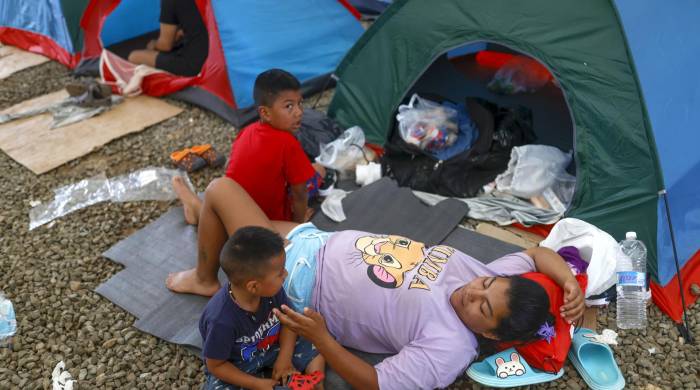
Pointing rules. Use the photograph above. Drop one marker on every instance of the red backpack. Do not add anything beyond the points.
(540, 354)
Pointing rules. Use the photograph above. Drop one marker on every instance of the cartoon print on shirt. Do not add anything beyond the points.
(388, 258)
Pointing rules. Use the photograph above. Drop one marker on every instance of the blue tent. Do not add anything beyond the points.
(663, 39)
(305, 37)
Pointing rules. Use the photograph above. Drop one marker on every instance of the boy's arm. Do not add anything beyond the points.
(166, 38)
(300, 199)
(551, 264)
(227, 372)
(283, 366)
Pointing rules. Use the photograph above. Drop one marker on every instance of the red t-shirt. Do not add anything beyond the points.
(266, 161)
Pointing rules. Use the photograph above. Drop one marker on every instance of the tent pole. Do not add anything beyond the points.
(682, 328)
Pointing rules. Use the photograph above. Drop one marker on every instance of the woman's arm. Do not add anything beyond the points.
(551, 264)
(311, 325)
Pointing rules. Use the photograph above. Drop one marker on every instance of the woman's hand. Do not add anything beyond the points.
(282, 370)
(573, 307)
(309, 325)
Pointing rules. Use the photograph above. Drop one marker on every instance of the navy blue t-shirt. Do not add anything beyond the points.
(233, 334)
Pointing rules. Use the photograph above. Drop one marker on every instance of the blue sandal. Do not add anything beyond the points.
(595, 362)
(508, 369)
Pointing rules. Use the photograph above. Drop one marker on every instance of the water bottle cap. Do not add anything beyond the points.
(631, 235)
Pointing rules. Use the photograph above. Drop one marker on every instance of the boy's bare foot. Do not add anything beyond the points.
(188, 282)
(190, 201)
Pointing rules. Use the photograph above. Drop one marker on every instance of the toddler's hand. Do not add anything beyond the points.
(282, 370)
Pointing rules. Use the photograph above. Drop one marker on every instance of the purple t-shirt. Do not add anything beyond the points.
(390, 294)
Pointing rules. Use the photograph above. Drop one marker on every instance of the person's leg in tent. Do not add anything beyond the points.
(182, 45)
(168, 37)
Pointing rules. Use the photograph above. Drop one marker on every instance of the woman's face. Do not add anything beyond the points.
(482, 303)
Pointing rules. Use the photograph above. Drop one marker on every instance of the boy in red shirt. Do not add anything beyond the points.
(266, 158)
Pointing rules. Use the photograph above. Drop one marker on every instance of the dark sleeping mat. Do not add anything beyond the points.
(385, 208)
(168, 244)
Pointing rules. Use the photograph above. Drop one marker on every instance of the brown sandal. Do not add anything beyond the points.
(209, 154)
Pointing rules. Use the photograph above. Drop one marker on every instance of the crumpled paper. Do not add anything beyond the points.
(61, 378)
(608, 336)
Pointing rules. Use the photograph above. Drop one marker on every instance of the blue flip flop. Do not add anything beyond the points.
(594, 361)
(508, 369)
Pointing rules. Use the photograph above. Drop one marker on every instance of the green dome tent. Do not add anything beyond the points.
(598, 51)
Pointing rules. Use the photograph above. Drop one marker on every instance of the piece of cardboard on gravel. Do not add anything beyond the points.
(32, 143)
(168, 244)
(13, 59)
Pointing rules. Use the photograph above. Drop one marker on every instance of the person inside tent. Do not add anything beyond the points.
(384, 293)
(183, 43)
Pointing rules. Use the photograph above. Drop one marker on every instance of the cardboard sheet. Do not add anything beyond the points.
(32, 143)
(13, 59)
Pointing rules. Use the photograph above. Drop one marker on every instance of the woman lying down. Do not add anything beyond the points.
(384, 294)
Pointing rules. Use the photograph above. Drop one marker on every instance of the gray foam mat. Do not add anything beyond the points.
(484, 248)
(384, 207)
(168, 244)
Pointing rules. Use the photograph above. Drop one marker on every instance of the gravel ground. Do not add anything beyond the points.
(50, 273)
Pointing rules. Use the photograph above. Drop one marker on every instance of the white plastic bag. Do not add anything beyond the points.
(332, 206)
(532, 169)
(596, 247)
(344, 152)
(426, 124)
(367, 173)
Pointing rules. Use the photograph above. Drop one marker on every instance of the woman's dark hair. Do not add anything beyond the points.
(529, 309)
(248, 252)
(271, 83)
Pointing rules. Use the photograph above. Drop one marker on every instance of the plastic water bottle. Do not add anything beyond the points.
(631, 284)
(8, 323)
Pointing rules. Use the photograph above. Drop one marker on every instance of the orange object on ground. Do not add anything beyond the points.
(187, 160)
(540, 230)
(208, 153)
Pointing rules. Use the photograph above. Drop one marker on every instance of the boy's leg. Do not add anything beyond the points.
(226, 208)
(318, 364)
(191, 203)
(306, 356)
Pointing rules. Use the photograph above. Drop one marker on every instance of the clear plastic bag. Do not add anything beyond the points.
(519, 74)
(8, 322)
(426, 124)
(532, 169)
(70, 198)
(344, 152)
(146, 184)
